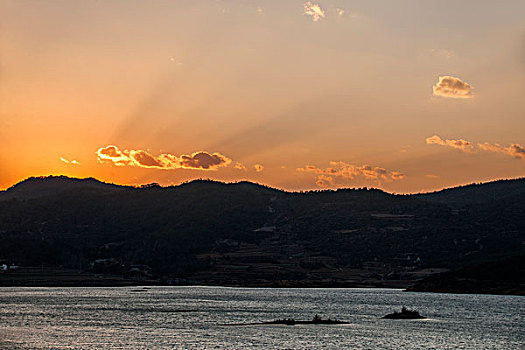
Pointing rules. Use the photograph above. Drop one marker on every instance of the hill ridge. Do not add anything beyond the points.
(91, 180)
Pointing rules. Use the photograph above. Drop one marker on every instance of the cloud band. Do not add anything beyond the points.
(514, 150)
(326, 177)
(200, 160)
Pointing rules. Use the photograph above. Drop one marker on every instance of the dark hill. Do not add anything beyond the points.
(474, 194)
(34, 187)
(244, 233)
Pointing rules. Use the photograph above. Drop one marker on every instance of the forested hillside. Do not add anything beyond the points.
(244, 233)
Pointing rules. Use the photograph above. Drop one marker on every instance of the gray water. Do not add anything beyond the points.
(197, 318)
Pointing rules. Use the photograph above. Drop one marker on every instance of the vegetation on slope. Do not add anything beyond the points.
(209, 230)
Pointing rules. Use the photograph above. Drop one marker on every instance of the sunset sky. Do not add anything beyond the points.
(406, 96)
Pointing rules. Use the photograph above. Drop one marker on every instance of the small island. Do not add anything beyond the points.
(292, 322)
(405, 314)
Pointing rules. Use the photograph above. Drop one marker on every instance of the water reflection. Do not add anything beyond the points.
(194, 318)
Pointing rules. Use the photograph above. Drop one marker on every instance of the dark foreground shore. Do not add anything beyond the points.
(506, 277)
(61, 277)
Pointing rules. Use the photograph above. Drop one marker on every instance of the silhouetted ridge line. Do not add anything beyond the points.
(32, 183)
(477, 193)
(53, 185)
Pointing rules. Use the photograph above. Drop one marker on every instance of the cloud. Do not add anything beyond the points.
(452, 87)
(314, 10)
(240, 166)
(138, 158)
(72, 162)
(324, 181)
(258, 167)
(146, 160)
(396, 175)
(515, 150)
(344, 171)
(465, 146)
(203, 160)
(114, 155)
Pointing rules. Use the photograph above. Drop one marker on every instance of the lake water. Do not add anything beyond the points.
(195, 318)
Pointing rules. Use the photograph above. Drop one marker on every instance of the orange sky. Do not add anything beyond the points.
(406, 95)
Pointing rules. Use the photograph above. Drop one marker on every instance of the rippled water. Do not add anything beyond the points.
(196, 318)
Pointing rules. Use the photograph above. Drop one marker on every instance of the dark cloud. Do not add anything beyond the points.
(143, 158)
(204, 160)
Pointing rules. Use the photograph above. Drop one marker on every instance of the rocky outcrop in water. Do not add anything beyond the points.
(405, 314)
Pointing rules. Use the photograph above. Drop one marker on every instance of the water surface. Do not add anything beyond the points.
(197, 318)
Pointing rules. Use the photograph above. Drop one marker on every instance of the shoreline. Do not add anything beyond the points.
(39, 277)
